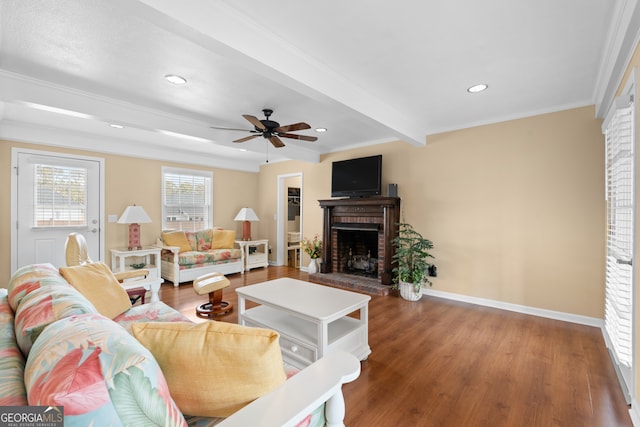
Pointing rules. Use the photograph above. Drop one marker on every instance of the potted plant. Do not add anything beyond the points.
(313, 248)
(412, 268)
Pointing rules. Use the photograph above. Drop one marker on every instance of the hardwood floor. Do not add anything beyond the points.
(437, 362)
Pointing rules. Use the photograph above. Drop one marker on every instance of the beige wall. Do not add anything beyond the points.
(130, 180)
(516, 210)
(521, 213)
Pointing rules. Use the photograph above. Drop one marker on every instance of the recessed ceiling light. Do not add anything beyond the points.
(477, 88)
(321, 130)
(113, 125)
(175, 79)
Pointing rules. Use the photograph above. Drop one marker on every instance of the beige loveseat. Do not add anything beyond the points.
(187, 255)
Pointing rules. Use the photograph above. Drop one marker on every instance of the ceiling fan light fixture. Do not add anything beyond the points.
(321, 130)
(478, 88)
(175, 79)
(271, 130)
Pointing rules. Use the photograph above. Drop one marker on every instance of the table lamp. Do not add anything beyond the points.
(246, 215)
(134, 215)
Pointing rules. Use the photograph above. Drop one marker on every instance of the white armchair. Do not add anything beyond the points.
(76, 253)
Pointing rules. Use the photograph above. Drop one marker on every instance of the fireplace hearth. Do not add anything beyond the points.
(357, 240)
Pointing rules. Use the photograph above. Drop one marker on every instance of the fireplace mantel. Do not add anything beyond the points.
(373, 213)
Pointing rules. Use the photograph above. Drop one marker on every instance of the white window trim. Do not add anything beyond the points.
(627, 381)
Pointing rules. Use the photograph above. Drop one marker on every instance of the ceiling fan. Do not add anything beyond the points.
(271, 130)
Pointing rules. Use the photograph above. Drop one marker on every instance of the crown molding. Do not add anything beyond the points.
(57, 137)
(618, 51)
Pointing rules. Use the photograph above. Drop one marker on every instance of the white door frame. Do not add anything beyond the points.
(15, 151)
(280, 214)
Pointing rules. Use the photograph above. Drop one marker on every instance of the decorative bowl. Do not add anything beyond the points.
(137, 266)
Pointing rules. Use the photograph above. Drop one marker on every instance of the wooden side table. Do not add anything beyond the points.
(137, 293)
(135, 287)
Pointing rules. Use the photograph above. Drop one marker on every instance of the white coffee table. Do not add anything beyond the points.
(311, 319)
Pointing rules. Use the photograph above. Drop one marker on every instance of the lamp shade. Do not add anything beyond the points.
(246, 214)
(134, 215)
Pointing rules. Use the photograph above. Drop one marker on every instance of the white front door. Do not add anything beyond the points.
(54, 194)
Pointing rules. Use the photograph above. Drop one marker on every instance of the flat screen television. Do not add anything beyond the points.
(361, 177)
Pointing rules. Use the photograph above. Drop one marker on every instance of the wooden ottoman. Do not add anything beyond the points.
(212, 284)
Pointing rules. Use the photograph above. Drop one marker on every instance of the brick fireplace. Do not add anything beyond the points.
(357, 235)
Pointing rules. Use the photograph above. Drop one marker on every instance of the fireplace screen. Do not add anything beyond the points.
(358, 252)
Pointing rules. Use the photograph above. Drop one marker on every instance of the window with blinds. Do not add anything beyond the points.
(186, 199)
(60, 196)
(619, 129)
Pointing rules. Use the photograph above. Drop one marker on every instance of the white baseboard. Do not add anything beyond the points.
(634, 413)
(557, 315)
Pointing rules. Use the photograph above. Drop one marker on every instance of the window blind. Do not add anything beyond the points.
(60, 196)
(186, 201)
(619, 140)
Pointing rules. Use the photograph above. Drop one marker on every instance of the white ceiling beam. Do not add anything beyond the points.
(21, 90)
(234, 35)
(56, 137)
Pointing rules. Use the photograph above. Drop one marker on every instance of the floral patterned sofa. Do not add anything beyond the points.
(187, 255)
(57, 349)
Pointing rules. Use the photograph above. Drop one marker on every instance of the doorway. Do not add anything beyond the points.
(289, 213)
(52, 195)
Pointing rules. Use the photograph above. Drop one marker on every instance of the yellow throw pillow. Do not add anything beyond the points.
(214, 368)
(98, 284)
(223, 239)
(177, 238)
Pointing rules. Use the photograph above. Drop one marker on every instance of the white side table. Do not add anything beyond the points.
(123, 260)
(255, 253)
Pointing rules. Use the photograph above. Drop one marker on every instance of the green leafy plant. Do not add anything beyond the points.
(412, 254)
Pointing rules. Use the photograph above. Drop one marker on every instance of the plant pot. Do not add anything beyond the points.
(408, 291)
(313, 266)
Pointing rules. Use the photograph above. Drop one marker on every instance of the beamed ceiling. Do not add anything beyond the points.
(367, 71)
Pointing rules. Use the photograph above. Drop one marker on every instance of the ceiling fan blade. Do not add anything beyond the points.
(254, 121)
(276, 142)
(300, 137)
(241, 130)
(246, 138)
(293, 127)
